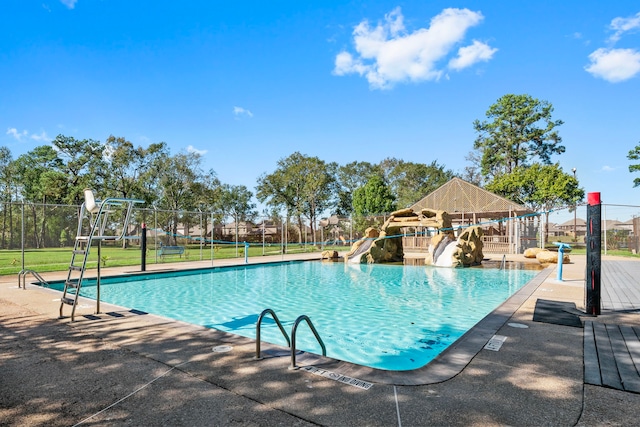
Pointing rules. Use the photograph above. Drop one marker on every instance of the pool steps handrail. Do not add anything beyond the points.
(291, 342)
(22, 278)
(503, 264)
(293, 338)
(258, 329)
(97, 212)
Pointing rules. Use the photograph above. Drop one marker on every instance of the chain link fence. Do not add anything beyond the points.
(40, 237)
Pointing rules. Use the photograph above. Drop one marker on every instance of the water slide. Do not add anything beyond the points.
(354, 258)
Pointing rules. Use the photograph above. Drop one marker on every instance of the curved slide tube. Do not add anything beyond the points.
(363, 248)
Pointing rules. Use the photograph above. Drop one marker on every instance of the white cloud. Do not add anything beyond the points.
(192, 149)
(239, 111)
(607, 168)
(614, 65)
(25, 134)
(69, 3)
(17, 135)
(469, 55)
(387, 54)
(623, 25)
(42, 137)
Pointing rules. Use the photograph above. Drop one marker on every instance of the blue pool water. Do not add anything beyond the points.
(390, 317)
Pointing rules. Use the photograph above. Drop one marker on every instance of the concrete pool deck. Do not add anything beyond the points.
(126, 368)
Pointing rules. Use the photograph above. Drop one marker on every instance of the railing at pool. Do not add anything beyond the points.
(258, 329)
(491, 244)
(291, 342)
(293, 339)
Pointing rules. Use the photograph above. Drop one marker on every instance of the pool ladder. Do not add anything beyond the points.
(22, 278)
(291, 342)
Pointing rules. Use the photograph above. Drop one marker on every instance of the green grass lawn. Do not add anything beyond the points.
(613, 252)
(57, 259)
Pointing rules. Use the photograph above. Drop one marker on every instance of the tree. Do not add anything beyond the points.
(541, 188)
(80, 162)
(373, 198)
(7, 188)
(210, 198)
(128, 167)
(472, 173)
(410, 182)
(42, 180)
(178, 177)
(31, 166)
(237, 203)
(349, 178)
(319, 189)
(635, 155)
(301, 185)
(520, 131)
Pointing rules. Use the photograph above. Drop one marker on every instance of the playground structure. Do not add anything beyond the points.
(445, 249)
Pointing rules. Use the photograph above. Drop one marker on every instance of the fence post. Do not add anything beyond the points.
(22, 234)
(594, 243)
(143, 247)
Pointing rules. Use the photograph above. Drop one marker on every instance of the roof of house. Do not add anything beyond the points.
(608, 224)
(579, 223)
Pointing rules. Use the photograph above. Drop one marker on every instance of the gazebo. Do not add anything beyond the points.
(508, 227)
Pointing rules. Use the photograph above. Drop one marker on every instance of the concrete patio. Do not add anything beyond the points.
(126, 368)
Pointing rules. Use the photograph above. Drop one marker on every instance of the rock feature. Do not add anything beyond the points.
(386, 249)
(465, 251)
(445, 249)
(551, 257)
(360, 249)
(532, 252)
(329, 255)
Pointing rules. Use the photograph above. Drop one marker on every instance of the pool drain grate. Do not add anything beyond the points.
(338, 377)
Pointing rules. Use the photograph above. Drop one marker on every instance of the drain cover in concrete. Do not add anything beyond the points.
(222, 349)
(518, 325)
(495, 343)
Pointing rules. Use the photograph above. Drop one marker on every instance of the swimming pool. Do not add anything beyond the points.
(389, 317)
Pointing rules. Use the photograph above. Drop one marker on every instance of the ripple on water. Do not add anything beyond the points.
(383, 316)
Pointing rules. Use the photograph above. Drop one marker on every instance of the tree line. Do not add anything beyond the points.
(511, 156)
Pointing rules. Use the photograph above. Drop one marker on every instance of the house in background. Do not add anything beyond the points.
(576, 230)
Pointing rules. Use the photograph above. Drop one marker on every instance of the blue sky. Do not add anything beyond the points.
(247, 83)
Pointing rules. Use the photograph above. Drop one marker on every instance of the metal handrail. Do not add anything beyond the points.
(293, 339)
(273, 314)
(503, 264)
(23, 275)
(104, 209)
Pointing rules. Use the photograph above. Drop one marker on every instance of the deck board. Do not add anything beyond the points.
(624, 363)
(611, 356)
(606, 359)
(612, 351)
(620, 285)
(591, 366)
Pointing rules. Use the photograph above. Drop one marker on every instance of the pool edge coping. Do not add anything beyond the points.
(452, 360)
(445, 366)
